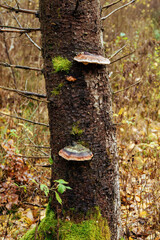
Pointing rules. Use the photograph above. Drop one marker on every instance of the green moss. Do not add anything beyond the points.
(29, 235)
(56, 90)
(61, 64)
(58, 12)
(76, 130)
(95, 227)
(91, 229)
(46, 229)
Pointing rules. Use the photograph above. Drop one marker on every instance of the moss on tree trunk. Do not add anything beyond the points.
(94, 227)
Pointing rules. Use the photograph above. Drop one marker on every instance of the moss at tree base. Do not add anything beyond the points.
(95, 227)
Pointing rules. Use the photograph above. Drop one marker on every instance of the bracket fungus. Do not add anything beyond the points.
(86, 57)
(76, 152)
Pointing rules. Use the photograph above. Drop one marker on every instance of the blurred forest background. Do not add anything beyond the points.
(135, 83)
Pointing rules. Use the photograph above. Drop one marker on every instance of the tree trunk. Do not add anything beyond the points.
(69, 27)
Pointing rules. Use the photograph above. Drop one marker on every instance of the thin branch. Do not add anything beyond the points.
(17, 10)
(34, 205)
(25, 95)
(110, 5)
(122, 57)
(46, 154)
(119, 50)
(24, 92)
(18, 4)
(7, 30)
(34, 99)
(34, 157)
(19, 28)
(45, 166)
(7, 225)
(23, 119)
(121, 90)
(125, 5)
(37, 146)
(8, 56)
(30, 39)
(21, 67)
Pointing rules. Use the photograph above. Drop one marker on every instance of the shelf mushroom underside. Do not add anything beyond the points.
(76, 153)
(86, 58)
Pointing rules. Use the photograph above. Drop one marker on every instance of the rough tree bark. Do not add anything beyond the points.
(69, 27)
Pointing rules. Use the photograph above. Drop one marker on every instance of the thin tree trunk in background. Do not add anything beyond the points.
(67, 29)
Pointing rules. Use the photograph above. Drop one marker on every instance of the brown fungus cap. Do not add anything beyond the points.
(77, 152)
(71, 78)
(86, 58)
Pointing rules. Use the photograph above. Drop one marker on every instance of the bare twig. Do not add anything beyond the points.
(121, 90)
(34, 99)
(110, 5)
(8, 56)
(34, 157)
(115, 10)
(114, 54)
(7, 225)
(45, 166)
(37, 146)
(7, 30)
(30, 39)
(46, 154)
(21, 67)
(12, 27)
(24, 92)
(23, 119)
(122, 57)
(34, 204)
(18, 28)
(19, 10)
(17, 3)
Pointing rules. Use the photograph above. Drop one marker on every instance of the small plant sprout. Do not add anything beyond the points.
(44, 189)
(60, 187)
(13, 133)
(86, 57)
(76, 152)
(61, 64)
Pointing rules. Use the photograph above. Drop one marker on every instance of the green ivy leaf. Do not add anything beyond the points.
(58, 198)
(45, 189)
(50, 160)
(61, 188)
(61, 181)
(67, 187)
